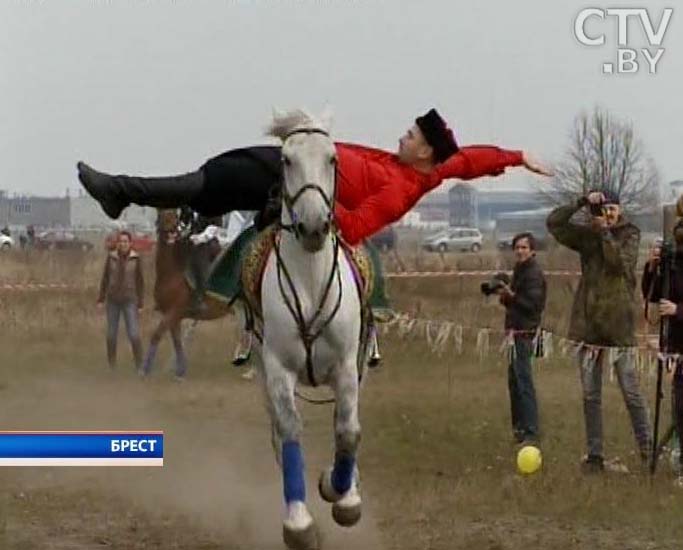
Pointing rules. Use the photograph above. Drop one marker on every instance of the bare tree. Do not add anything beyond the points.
(605, 155)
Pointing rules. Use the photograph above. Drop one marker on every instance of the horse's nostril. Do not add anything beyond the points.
(300, 228)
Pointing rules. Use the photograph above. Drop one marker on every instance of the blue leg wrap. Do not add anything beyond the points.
(293, 472)
(342, 474)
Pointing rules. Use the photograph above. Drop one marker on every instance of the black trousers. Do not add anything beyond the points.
(240, 179)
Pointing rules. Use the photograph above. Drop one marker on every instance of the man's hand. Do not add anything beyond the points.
(505, 295)
(655, 254)
(667, 308)
(596, 197)
(535, 166)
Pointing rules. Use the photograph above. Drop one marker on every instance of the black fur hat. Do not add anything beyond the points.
(438, 135)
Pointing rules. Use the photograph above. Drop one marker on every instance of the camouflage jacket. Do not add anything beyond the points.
(604, 310)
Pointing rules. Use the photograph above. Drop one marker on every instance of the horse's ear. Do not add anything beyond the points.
(275, 129)
(326, 119)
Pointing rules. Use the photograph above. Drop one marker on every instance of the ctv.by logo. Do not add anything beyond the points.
(628, 59)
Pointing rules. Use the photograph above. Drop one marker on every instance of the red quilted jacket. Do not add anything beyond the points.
(374, 189)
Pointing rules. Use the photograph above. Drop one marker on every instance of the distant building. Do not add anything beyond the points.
(78, 212)
(466, 206)
(21, 210)
(86, 212)
(463, 206)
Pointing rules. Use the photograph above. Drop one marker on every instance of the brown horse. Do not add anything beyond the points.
(172, 292)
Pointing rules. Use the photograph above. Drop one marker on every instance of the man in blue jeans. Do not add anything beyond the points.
(122, 288)
(524, 301)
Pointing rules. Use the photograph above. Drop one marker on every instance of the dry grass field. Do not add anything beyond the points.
(437, 460)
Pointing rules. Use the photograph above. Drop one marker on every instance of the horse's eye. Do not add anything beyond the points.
(333, 160)
(286, 161)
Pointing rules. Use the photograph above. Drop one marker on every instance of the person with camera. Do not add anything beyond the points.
(524, 300)
(603, 318)
(671, 308)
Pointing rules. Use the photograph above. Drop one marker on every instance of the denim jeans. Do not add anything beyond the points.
(523, 406)
(130, 316)
(591, 366)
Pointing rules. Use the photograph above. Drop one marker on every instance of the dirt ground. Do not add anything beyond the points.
(218, 488)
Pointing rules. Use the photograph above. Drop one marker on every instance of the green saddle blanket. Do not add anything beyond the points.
(226, 272)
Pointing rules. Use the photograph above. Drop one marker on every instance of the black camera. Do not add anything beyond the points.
(596, 209)
(498, 281)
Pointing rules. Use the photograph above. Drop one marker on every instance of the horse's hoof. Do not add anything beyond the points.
(249, 375)
(327, 492)
(374, 361)
(306, 539)
(241, 359)
(300, 533)
(179, 379)
(347, 510)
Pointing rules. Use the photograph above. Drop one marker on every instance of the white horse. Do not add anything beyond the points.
(311, 326)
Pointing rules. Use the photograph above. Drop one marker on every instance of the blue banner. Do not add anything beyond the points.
(81, 445)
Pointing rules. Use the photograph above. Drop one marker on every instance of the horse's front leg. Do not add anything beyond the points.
(339, 484)
(299, 530)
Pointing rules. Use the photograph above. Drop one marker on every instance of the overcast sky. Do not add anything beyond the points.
(156, 87)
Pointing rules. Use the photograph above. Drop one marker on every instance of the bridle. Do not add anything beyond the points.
(308, 331)
(290, 200)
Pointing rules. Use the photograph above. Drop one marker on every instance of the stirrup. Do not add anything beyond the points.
(374, 358)
(243, 351)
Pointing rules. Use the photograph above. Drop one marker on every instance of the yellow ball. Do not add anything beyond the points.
(529, 460)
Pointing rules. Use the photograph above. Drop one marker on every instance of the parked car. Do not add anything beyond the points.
(6, 242)
(141, 242)
(455, 238)
(385, 240)
(61, 240)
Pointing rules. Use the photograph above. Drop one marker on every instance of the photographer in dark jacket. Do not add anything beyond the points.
(673, 308)
(524, 301)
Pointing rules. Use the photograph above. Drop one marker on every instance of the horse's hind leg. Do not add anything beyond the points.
(339, 484)
(299, 531)
(178, 346)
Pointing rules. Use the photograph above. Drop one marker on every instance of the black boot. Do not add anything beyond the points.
(114, 193)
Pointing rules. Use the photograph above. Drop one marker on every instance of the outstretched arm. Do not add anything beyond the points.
(476, 161)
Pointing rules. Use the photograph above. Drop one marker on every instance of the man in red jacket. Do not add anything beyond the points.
(375, 187)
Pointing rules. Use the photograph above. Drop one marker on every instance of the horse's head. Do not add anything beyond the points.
(309, 163)
(167, 226)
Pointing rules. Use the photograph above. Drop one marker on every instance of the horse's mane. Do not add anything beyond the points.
(285, 122)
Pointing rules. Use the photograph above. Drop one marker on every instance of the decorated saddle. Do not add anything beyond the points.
(239, 269)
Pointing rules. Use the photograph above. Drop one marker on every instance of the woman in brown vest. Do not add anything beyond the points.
(122, 288)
